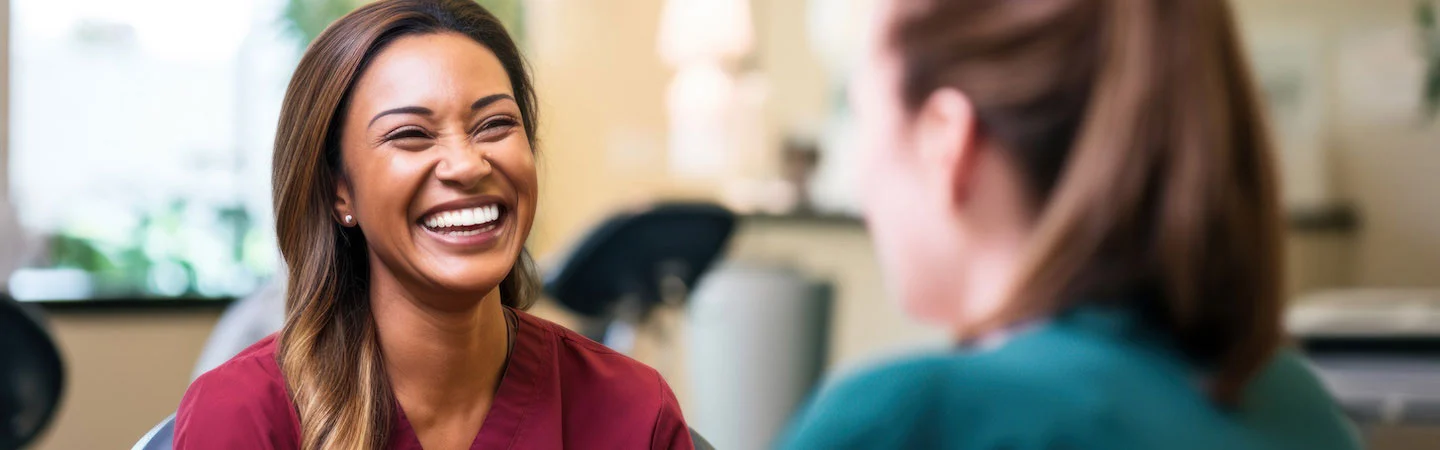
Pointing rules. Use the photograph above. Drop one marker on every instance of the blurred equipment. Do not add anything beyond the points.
(636, 261)
(1377, 350)
(758, 338)
(32, 376)
(800, 157)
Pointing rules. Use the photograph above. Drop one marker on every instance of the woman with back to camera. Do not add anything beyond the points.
(1083, 191)
(404, 189)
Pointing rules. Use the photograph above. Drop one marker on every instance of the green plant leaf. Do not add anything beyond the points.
(1425, 18)
(305, 19)
(1432, 88)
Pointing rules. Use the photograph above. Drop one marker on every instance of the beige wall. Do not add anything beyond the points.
(127, 371)
(603, 125)
(1372, 149)
(601, 112)
(799, 90)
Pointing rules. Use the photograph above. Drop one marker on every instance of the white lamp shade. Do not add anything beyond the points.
(704, 30)
(836, 31)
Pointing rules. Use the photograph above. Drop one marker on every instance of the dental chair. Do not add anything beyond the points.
(634, 262)
(32, 375)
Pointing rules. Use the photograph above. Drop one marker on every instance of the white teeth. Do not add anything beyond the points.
(464, 218)
(470, 232)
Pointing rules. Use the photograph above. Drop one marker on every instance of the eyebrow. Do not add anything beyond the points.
(487, 100)
(417, 110)
(423, 111)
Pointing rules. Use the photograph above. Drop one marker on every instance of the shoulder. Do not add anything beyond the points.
(1003, 377)
(879, 406)
(1288, 368)
(583, 361)
(240, 404)
(1289, 398)
(950, 399)
(593, 377)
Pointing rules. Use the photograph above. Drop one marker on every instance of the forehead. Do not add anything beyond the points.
(430, 69)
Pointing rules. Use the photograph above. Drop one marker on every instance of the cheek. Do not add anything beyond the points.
(885, 171)
(897, 214)
(385, 185)
(523, 168)
(517, 163)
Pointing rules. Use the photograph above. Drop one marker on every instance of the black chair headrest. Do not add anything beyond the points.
(32, 376)
(631, 252)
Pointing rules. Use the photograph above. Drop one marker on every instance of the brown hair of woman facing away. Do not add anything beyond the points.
(328, 348)
(1136, 127)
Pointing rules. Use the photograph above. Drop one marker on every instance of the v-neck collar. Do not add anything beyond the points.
(514, 400)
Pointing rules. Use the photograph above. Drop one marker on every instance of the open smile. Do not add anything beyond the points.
(470, 224)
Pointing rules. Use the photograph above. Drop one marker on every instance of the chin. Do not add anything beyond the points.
(473, 279)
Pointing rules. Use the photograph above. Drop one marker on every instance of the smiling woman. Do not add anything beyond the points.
(404, 190)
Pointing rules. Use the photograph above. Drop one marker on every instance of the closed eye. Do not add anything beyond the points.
(495, 129)
(409, 138)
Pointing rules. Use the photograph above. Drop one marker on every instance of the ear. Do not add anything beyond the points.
(344, 203)
(946, 128)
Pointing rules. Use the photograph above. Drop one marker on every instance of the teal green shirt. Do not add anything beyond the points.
(1090, 379)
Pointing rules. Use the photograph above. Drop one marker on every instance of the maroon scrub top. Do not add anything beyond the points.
(560, 390)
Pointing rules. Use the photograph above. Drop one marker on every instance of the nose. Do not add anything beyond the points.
(462, 167)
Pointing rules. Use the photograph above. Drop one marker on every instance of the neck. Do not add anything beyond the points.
(982, 289)
(998, 223)
(435, 357)
(985, 285)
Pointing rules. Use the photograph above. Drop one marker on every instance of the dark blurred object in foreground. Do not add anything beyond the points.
(32, 376)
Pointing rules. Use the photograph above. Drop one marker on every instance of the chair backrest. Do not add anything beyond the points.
(32, 375)
(161, 437)
(632, 251)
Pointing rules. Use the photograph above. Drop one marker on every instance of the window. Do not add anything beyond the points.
(140, 143)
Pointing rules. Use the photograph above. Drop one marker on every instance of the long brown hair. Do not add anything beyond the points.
(328, 348)
(1137, 127)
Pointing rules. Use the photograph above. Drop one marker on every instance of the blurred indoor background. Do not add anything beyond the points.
(135, 145)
